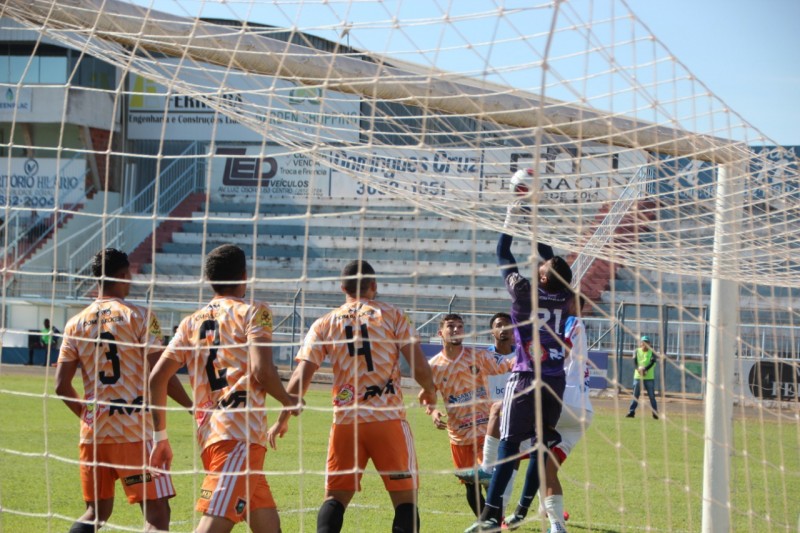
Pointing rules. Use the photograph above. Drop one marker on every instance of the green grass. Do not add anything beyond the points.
(626, 475)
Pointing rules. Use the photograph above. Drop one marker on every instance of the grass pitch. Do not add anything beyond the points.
(625, 475)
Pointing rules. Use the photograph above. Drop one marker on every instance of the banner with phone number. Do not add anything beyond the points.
(39, 183)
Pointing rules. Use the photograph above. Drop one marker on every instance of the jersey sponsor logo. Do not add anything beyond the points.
(137, 479)
(88, 410)
(345, 396)
(466, 397)
(377, 390)
(236, 400)
(480, 419)
(202, 413)
(265, 319)
(155, 327)
(123, 406)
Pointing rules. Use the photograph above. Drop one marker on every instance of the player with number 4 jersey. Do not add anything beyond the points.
(364, 340)
(113, 341)
(226, 348)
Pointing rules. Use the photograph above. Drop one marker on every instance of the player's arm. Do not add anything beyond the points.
(265, 373)
(65, 372)
(298, 384)
(164, 370)
(175, 389)
(412, 352)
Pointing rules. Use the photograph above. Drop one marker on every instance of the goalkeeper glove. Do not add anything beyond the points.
(515, 210)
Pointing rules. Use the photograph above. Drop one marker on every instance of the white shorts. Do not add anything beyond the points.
(572, 424)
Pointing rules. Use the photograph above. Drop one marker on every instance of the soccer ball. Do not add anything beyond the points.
(521, 181)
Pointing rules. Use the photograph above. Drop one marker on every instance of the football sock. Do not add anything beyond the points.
(490, 446)
(475, 498)
(406, 518)
(330, 517)
(502, 474)
(508, 491)
(555, 512)
(532, 483)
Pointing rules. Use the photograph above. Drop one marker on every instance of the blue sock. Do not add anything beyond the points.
(502, 473)
(531, 486)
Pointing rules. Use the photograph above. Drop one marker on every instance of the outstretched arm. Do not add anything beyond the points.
(505, 259)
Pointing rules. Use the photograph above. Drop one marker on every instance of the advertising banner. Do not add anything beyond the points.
(272, 108)
(32, 183)
(238, 173)
(768, 379)
(16, 100)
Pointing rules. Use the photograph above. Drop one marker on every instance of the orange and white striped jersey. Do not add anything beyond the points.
(463, 384)
(362, 341)
(110, 340)
(214, 345)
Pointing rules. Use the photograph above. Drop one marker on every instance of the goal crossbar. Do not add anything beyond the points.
(158, 32)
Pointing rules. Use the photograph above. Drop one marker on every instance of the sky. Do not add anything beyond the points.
(746, 52)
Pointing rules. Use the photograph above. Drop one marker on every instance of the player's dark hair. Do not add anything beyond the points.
(496, 316)
(450, 316)
(563, 275)
(226, 263)
(109, 263)
(357, 276)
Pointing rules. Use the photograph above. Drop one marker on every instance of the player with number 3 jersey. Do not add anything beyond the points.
(112, 341)
(364, 340)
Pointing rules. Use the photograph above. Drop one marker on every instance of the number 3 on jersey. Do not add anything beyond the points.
(209, 331)
(112, 357)
(365, 349)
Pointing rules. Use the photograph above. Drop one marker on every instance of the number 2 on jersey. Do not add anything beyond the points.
(215, 381)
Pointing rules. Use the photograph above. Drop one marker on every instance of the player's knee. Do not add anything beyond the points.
(559, 454)
(330, 517)
(406, 518)
(81, 527)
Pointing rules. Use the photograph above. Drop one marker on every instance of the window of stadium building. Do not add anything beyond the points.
(52, 65)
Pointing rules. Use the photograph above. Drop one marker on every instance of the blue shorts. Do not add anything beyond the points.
(518, 420)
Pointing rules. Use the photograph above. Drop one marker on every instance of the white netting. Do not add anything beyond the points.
(311, 132)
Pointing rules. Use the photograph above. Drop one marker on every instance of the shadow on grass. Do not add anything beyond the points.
(576, 527)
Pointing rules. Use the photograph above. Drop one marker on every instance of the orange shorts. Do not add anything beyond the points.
(235, 480)
(124, 461)
(389, 444)
(467, 455)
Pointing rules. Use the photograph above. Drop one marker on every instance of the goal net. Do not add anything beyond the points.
(314, 132)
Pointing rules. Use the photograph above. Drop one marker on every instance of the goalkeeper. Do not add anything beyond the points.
(518, 421)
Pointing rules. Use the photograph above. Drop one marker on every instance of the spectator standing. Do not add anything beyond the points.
(645, 360)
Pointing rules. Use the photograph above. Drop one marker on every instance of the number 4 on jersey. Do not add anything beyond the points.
(365, 347)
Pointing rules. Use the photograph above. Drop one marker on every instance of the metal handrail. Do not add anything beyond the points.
(170, 196)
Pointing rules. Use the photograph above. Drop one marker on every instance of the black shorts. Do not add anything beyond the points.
(518, 420)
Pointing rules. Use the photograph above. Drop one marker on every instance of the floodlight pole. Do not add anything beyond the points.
(723, 318)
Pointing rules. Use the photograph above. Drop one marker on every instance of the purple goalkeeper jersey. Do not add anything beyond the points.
(554, 308)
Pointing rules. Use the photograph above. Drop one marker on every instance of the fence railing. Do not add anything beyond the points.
(174, 184)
